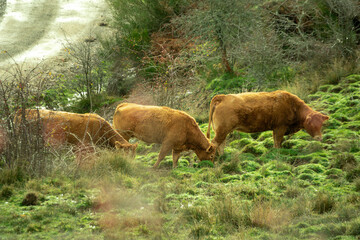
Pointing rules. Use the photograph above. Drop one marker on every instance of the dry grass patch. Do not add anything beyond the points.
(264, 215)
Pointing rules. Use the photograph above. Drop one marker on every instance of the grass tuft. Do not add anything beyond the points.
(323, 203)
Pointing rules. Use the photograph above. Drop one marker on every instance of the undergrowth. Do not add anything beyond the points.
(304, 190)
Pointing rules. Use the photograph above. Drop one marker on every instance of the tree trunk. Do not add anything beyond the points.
(225, 61)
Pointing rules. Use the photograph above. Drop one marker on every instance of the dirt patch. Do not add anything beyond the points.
(35, 30)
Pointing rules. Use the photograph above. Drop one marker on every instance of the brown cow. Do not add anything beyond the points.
(174, 129)
(280, 111)
(74, 128)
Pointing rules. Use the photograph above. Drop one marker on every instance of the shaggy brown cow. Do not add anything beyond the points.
(174, 129)
(280, 111)
(64, 127)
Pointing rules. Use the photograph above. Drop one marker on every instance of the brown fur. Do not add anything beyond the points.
(174, 129)
(280, 111)
(64, 127)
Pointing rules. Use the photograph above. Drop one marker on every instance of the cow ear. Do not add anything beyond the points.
(324, 117)
(210, 148)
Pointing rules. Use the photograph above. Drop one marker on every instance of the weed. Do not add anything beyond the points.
(344, 160)
(12, 175)
(195, 214)
(292, 191)
(30, 199)
(231, 167)
(232, 215)
(357, 184)
(199, 230)
(323, 203)
(347, 212)
(354, 227)
(6, 192)
(353, 173)
(264, 215)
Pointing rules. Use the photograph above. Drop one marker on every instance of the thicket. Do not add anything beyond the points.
(234, 46)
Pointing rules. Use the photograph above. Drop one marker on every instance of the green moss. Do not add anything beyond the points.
(353, 125)
(278, 166)
(335, 89)
(226, 156)
(201, 184)
(334, 171)
(313, 146)
(256, 149)
(231, 167)
(239, 143)
(356, 117)
(206, 164)
(265, 135)
(318, 168)
(325, 88)
(230, 178)
(166, 163)
(249, 166)
(340, 117)
(352, 78)
(251, 176)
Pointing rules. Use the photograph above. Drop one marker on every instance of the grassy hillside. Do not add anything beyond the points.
(305, 190)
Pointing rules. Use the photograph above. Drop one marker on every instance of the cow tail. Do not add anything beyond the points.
(217, 99)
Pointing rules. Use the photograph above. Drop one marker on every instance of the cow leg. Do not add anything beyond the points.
(165, 149)
(278, 135)
(221, 147)
(126, 135)
(219, 141)
(175, 156)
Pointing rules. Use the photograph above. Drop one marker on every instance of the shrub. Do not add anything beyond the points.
(24, 151)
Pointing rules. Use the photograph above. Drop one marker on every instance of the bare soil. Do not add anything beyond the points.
(36, 30)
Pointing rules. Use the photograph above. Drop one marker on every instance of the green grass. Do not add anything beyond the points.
(305, 190)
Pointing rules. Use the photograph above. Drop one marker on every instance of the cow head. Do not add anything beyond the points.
(129, 148)
(313, 124)
(208, 154)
